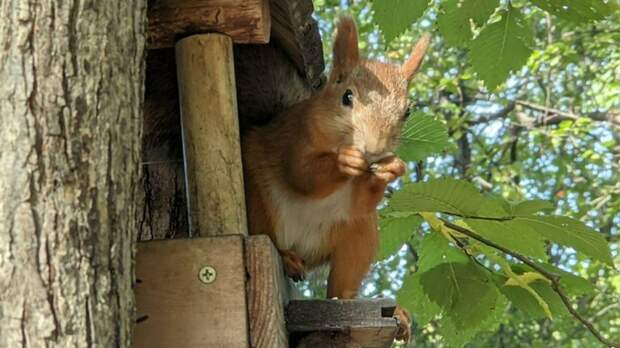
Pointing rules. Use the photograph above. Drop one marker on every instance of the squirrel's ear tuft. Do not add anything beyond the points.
(346, 51)
(412, 65)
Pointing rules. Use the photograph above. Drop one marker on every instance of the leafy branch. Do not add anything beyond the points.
(553, 278)
(498, 36)
(447, 279)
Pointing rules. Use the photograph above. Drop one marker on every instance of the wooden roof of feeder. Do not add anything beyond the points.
(288, 22)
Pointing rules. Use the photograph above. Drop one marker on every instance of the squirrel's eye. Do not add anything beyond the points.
(407, 113)
(347, 98)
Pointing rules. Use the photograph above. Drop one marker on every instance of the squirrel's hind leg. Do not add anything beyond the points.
(353, 251)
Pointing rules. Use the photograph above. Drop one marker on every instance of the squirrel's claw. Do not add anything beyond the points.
(294, 265)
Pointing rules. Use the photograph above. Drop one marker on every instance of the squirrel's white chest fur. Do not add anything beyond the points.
(302, 224)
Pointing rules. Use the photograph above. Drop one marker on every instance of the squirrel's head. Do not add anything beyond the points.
(365, 102)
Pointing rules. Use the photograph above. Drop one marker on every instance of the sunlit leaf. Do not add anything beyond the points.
(514, 236)
(444, 195)
(569, 232)
(396, 16)
(422, 136)
(578, 10)
(454, 19)
(394, 230)
(501, 47)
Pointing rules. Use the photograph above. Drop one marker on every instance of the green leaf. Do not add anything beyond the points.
(452, 286)
(524, 301)
(457, 337)
(568, 232)
(514, 236)
(501, 47)
(422, 136)
(494, 206)
(412, 297)
(443, 195)
(395, 229)
(531, 207)
(454, 20)
(572, 284)
(433, 250)
(394, 17)
(578, 10)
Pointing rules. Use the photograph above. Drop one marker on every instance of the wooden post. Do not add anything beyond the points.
(208, 100)
(267, 294)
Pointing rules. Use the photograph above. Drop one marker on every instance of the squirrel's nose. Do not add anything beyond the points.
(376, 156)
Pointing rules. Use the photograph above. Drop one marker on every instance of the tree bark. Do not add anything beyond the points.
(71, 93)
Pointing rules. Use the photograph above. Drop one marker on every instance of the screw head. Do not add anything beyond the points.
(207, 274)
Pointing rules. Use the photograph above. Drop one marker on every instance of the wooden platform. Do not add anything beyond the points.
(369, 322)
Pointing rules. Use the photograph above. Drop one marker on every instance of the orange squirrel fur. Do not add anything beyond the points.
(316, 173)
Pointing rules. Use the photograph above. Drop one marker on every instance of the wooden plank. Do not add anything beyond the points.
(369, 322)
(176, 309)
(267, 294)
(294, 29)
(210, 128)
(245, 21)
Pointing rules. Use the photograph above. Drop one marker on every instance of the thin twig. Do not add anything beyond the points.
(555, 115)
(554, 278)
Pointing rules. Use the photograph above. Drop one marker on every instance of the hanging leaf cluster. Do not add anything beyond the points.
(466, 284)
(498, 35)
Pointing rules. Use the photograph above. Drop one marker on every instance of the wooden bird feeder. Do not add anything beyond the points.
(221, 287)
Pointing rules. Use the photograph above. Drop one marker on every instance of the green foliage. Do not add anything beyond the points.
(395, 229)
(447, 279)
(396, 16)
(578, 10)
(531, 207)
(433, 250)
(522, 239)
(455, 19)
(501, 47)
(569, 232)
(423, 136)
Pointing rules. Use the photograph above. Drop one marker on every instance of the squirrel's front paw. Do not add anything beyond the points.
(388, 169)
(351, 161)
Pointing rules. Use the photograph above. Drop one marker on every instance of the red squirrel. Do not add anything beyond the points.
(315, 174)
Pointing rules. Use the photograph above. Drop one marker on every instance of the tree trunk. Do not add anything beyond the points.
(71, 93)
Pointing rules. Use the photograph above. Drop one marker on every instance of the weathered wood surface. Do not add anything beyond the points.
(294, 29)
(176, 309)
(369, 322)
(245, 21)
(71, 90)
(210, 129)
(267, 294)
